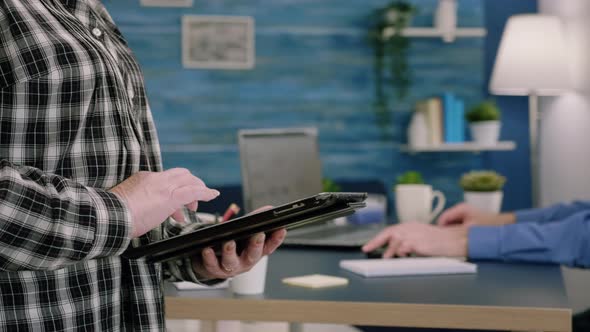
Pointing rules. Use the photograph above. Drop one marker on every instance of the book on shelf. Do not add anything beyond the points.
(454, 110)
(445, 118)
(432, 111)
(435, 112)
(448, 105)
(459, 118)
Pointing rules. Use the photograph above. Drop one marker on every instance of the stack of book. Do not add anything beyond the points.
(445, 118)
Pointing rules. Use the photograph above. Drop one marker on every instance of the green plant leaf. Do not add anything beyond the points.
(390, 54)
(482, 181)
(484, 111)
(329, 185)
(410, 177)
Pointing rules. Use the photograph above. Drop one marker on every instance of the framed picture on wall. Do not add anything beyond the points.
(217, 42)
(166, 3)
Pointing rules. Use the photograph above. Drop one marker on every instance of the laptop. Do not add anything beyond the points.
(280, 165)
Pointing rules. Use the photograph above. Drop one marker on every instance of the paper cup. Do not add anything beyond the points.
(253, 281)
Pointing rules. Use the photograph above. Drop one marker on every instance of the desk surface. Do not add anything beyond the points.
(500, 296)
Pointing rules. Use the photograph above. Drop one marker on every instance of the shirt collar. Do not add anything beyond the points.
(73, 4)
(70, 4)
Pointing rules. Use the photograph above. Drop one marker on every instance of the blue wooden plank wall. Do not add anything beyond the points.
(313, 68)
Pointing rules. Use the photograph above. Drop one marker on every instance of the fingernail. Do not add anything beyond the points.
(208, 251)
(230, 246)
(260, 238)
(215, 192)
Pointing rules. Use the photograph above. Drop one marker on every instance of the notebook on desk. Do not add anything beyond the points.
(410, 266)
(281, 165)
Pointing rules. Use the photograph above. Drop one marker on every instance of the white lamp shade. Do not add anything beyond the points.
(532, 58)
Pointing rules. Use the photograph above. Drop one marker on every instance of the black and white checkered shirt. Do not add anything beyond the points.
(74, 122)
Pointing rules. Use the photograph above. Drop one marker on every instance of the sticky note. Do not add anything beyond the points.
(316, 281)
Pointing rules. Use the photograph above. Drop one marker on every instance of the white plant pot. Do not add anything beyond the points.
(485, 132)
(490, 201)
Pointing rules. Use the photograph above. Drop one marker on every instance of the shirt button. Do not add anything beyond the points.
(97, 32)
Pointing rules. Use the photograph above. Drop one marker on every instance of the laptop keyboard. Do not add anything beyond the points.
(339, 235)
(329, 232)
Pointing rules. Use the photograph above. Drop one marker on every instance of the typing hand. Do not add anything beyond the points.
(151, 197)
(209, 266)
(420, 239)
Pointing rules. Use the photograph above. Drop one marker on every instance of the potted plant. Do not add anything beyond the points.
(328, 185)
(390, 48)
(410, 177)
(483, 190)
(484, 122)
(414, 198)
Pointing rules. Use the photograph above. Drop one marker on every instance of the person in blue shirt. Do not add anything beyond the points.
(557, 234)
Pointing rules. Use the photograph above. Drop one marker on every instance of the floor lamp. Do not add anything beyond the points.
(531, 61)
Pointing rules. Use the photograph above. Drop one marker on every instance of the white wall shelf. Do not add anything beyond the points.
(461, 147)
(444, 26)
(447, 36)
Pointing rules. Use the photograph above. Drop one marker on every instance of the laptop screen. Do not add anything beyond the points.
(279, 165)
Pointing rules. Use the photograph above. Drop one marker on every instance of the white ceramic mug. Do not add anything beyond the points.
(253, 281)
(413, 202)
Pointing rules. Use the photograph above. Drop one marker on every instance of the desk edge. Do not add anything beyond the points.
(372, 313)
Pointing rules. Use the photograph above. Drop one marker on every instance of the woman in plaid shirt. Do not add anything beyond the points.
(81, 175)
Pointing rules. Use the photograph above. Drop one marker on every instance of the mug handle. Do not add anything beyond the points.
(440, 204)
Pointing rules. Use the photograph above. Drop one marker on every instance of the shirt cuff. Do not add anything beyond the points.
(112, 233)
(529, 215)
(484, 242)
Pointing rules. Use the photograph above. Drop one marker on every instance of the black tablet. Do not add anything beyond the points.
(320, 207)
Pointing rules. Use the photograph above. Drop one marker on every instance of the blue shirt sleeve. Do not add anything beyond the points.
(555, 212)
(562, 242)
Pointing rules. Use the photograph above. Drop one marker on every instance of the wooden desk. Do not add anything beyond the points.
(515, 297)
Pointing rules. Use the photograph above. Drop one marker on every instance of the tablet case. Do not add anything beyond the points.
(320, 207)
